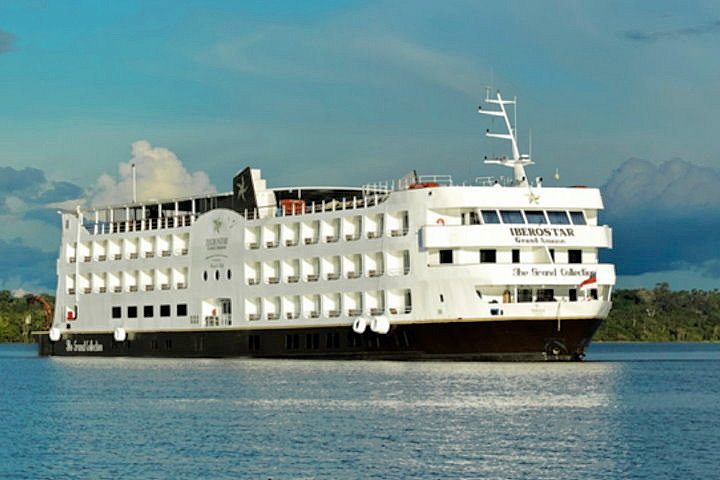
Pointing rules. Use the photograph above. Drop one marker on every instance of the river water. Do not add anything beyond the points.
(628, 411)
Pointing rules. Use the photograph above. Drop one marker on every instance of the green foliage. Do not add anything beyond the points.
(663, 315)
(14, 313)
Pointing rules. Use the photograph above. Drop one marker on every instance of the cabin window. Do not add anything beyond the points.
(217, 274)
(524, 295)
(512, 216)
(490, 216)
(474, 218)
(205, 275)
(535, 217)
(545, 295)
(551, 251)
(557, 217)
(488, 256)
(164, 310)
(229, 274)
(148, 311)
(446, 256)
(594, 293)
(132, 311)
(182, 309)
(577, 218)
(116, 312)
(515, 255)
(574, 256)
(572, 295)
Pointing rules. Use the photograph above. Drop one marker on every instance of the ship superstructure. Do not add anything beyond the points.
(418, 268)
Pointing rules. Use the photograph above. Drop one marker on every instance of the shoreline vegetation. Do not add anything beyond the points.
(638, 315)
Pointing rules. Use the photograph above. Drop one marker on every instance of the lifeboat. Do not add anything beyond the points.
(414, 186)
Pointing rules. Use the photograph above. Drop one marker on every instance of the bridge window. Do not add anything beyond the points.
(558, 218)
(577, 218)
(512, 216)
(490, 216)
(535, 217)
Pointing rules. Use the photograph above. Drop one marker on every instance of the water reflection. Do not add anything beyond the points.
(242, 418)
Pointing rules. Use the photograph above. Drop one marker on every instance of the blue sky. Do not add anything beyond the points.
(619, 95)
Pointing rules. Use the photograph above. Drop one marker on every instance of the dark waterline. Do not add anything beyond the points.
(629, 411)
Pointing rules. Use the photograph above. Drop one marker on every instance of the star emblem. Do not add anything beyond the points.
(532, 197)
(217, 223)
(242, 188)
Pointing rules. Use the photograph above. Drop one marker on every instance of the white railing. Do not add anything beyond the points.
(492, 181)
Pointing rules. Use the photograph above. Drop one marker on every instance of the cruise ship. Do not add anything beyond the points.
(421, 267)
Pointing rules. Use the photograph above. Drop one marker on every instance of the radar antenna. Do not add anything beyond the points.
(518, 161)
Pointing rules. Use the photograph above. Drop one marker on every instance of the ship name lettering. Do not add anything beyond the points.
(542, 232)
(219, 243)
(84, 346)
(544, 273)
(577, 272)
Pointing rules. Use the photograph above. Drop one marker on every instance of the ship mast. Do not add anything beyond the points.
(518, 161)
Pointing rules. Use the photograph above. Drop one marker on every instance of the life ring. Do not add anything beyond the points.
(54, 334)
(359, 325)
(119, 334)
(380, 325)
(440, 221)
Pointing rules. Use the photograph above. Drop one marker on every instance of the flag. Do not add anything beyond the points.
(588, 281)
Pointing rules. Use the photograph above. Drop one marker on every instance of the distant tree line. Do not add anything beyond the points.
(639, 315)
(662, 315)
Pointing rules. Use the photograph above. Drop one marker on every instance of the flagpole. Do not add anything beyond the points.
(134, 184)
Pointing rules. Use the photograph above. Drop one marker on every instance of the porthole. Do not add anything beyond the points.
(217, 274)
(229, 274)
(205, 275)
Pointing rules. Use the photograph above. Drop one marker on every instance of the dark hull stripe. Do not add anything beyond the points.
(506, 341)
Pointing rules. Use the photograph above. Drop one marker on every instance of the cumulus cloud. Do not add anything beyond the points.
(664, 217)
(28, 204)
(160, 175)
(6, 41)
(646, 36)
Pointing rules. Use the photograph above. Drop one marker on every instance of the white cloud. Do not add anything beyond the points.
(160, 175)
(675, 185)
